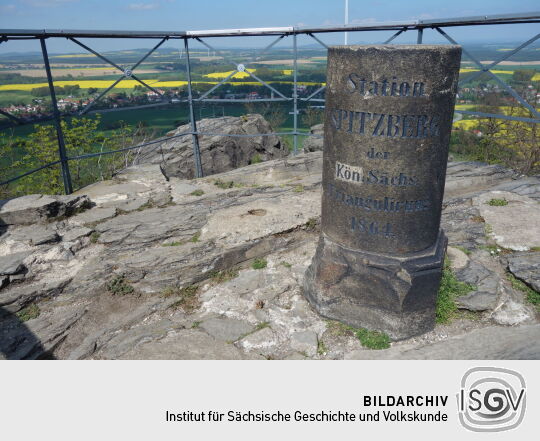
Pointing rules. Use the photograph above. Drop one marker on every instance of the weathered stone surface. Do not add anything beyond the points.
(478, 300)
(76, 233)
(379, 259)
(36, 208)
(467, 177)
(80, 319)
(390, 294)
(512, 313)
(187, 344)
(378, 171)
(458, 259)
(93, 216)
(226, 329)
(516, 225)
(13, 263)
(526, 267)
(305, 342)
(218, 153)
(314, 143)
(261, 342)
(43, 235)
(492, 343)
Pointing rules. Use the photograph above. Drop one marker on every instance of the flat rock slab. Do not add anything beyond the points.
(76, 233)
(516, 225)
(187, 344)
(94, 215)
(478, 301)
(257, 219)
(34, 235)
(13, 263)
(305, 342)
(226, 329)
(37, 208)
(493, 343)
(526, 267)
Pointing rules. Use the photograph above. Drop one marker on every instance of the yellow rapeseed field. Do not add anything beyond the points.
(472, 69)
(221, 75)
(130, 84)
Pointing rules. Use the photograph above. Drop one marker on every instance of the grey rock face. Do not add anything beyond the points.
(305, 342)
(388, 116)
(314, 143)
(272, 212)
(493, 343)
(13, 263)
(218, 153)
(527, 268)
(36, 208)
(226, 329)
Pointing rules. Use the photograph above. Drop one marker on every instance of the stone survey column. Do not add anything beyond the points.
(388, 118)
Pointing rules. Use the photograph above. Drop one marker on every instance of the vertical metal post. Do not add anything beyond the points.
(420, 34)
(66, 176)
(194, 136)
(295, 97)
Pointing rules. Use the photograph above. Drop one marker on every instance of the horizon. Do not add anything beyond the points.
(184, 15)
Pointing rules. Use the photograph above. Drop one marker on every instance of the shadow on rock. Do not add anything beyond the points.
(17, 341)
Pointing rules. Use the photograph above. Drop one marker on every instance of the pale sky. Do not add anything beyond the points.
(221, 14)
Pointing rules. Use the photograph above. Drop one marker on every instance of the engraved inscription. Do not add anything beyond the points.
(372, 154)
(384, 204)
(349, 173)
(373, 228)
(384, 87)
(382, 124)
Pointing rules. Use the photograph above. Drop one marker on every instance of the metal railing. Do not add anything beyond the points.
(419, 26)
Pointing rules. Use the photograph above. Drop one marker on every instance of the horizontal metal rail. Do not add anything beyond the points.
(530, 17)
(398, 28)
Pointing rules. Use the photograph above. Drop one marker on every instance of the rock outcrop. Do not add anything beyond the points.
(212, 268)
(314, 143)
(218, 153)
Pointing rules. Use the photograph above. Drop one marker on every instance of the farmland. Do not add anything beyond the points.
(81, 77)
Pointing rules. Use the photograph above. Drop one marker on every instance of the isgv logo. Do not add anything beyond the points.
(491, 399)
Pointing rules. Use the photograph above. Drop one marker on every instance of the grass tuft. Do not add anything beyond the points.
(172, 244)
(188, 299)
(497, 202)
(321, 348)
(465, 250)
(197, 193)
(368, 339)
(94, 237)
(311, 224)
(28, 313)
(449, 290)
(224, 276)
(119, 286)
(259, 264)
(256, 159)
(225, 185)
(531, 295)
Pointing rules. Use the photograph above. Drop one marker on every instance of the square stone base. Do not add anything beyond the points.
(396, 295)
